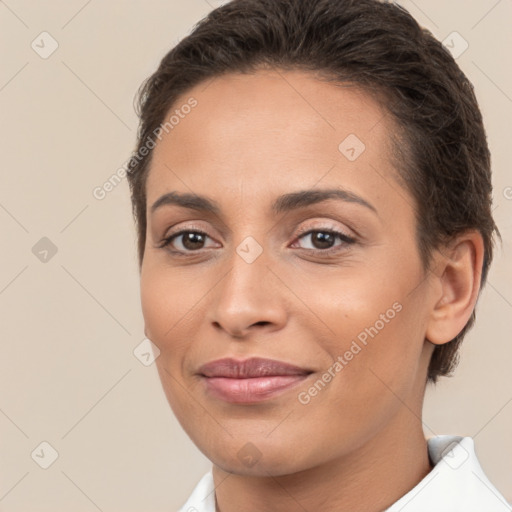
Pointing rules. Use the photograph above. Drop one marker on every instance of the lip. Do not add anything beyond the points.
(251, 380)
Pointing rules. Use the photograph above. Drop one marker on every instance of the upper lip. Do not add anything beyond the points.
(249, 368)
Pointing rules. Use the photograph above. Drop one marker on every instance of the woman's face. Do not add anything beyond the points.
(329, 288)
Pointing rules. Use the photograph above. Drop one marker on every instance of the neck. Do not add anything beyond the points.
(369, 479)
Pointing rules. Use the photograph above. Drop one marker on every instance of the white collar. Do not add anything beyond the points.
(457, 483)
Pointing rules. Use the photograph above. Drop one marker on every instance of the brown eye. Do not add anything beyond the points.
(192, 240)
(187, 241)
(324, 240)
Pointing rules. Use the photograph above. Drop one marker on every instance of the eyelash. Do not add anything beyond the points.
(347, 240)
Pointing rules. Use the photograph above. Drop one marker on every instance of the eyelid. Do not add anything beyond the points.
(324, 227)
(346, 239)
(166, 239)
(189, 227)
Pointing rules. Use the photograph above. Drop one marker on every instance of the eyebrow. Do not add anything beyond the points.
(284, 203)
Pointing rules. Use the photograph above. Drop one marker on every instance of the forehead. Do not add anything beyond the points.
(266, 130)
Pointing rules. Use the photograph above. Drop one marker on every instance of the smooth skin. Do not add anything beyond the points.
(358, 445)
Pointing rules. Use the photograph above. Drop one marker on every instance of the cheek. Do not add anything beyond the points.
(354, 307)
(376, 328)
(167, 304)
(155, 304)
(167, 299)
(376, 371)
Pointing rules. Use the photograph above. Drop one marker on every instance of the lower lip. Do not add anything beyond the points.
(252, 390)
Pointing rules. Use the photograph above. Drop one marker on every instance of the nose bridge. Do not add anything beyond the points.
(248, 279)
(247, 294)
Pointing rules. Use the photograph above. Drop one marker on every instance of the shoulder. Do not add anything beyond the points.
(202, 498)
(456, 482)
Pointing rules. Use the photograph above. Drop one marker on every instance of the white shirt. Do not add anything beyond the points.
(455, 484)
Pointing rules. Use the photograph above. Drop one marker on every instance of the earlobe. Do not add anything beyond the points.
(460, 268)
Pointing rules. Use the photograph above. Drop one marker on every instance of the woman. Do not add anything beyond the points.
(312, 192)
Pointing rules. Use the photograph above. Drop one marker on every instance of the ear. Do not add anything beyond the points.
(457, 284)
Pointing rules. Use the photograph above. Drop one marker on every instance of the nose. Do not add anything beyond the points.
(249, 298)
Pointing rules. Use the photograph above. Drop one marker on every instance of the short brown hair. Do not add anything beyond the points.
(443, 160)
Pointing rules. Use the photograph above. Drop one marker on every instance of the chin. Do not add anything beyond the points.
(265, 467)
(253, 456)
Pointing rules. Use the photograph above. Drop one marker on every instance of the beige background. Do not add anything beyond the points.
(69, 326)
